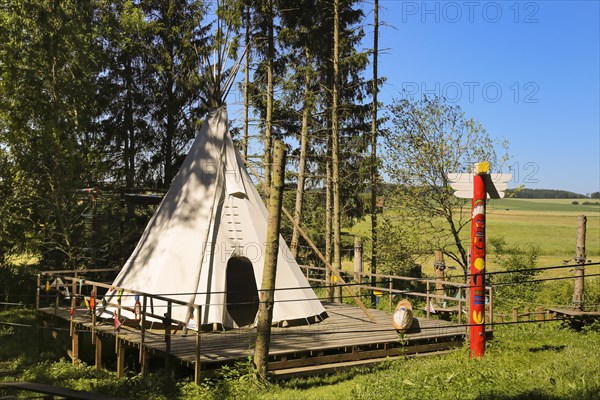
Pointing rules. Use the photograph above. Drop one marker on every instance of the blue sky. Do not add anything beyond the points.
(529, 71)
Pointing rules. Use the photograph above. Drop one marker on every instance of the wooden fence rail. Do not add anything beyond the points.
(72, 279)
(362, 281)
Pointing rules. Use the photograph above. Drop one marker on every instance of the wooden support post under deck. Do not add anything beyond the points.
(75, 347)
(144, 355)
(120, 359)
(98, 355)
(38, 330)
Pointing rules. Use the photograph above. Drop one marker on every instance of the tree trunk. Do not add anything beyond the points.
(169, 135)
(335, 150)
(129, 137)
(302, 162)
(374, 172)
(328, 215)
(246, 82)
(267, 294)
(269, 120)
(129, 129)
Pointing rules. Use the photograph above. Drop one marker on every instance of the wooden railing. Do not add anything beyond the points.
(388, 283)
(74, 279)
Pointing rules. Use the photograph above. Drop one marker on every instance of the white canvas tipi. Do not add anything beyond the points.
(205, 243)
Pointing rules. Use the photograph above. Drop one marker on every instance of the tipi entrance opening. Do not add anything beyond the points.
(241, 291)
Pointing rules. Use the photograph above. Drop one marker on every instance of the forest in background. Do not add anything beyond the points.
(100, 100)
(107, 96)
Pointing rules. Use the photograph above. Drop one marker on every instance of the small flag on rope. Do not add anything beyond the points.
(120, 295)
(87, 303)
(81, 286)
(93, 299)
(47, 286)
(72, 311)
(104, 302)
(117, 322)
(137, 308)
(67, 293)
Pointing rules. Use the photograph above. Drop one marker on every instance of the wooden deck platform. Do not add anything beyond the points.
(346, 337)
(575, 317)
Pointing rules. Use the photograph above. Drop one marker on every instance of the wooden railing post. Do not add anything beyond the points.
(539, 314)
(428, 303)
(515, 314)
(578, 288)
(37, 292)
(56, 296)
(526, 314)
(460, 307)
(197, 365)
(143, 334)
(439, 266)
(93, 308)
(358, 260)
(168, 336)
(73, 305)
(391, 296)
(491, 291)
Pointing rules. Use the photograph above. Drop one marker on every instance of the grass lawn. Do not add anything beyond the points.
(525, 361)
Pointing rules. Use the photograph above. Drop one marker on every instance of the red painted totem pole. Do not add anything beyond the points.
(477, 270)
(477, 186)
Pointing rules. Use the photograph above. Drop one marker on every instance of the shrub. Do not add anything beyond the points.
(517, 263)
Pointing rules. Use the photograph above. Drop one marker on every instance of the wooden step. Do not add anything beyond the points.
(336, 367)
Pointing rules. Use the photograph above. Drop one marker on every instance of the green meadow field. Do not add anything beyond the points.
(550, 224)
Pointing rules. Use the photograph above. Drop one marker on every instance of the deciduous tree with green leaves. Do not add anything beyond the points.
(427, 140)
(49, 64)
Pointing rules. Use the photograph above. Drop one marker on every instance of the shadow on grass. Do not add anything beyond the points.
(592, 393)
(547, 347)
(333, 378)
(532, 395)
